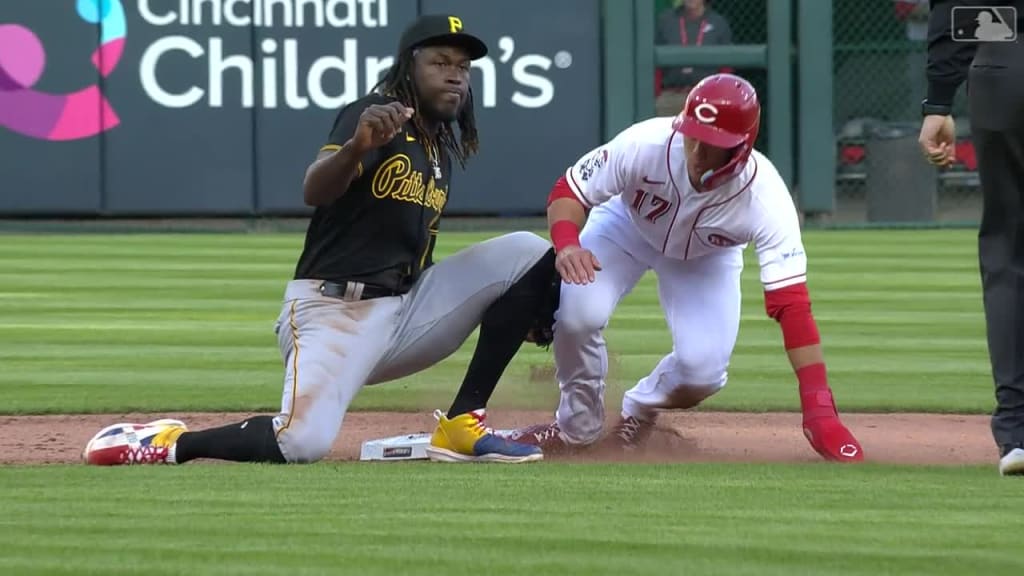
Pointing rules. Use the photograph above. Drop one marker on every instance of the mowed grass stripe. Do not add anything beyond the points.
(176, 321)
(426, 519)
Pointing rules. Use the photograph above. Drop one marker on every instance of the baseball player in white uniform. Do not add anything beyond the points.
(682, 196)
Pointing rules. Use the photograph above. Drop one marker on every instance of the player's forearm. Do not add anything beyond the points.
(565, 219)
(805, 356)
(803, 346)
(329, 177)
(791, 308)
(808, 362)
(567, 209)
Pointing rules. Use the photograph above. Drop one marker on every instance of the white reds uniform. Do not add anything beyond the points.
(645, 215)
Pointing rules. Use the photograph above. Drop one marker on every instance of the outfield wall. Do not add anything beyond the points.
(215, 107)
(162, 109)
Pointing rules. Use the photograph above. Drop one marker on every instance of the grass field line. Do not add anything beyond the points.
(731, 487)
(189, 318)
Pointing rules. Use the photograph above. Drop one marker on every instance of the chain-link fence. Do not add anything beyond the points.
(879, 63)
(708, 23)
(879, 59)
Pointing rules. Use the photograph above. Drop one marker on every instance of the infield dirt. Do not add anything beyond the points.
(914, 439)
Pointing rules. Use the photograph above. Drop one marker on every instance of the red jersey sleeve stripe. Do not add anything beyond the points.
(784, 282)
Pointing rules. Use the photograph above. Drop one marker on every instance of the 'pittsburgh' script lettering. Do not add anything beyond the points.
(396, 179)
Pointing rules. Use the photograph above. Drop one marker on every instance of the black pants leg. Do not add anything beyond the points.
(996, 101)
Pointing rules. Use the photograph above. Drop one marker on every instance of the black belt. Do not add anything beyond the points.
(355, 291)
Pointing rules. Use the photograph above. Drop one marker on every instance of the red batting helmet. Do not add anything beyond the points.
(722, 110)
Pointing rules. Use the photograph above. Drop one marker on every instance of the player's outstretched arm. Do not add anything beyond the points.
(791, 308)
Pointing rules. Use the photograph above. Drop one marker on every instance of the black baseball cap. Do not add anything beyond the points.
(441, 30)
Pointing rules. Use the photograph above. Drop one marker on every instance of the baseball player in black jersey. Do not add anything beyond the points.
(367, 303)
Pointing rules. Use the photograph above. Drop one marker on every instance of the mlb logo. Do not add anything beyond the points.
(984, 24)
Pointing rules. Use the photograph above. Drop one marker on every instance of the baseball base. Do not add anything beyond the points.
(401, 448)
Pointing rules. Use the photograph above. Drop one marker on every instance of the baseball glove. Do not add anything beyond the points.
(542, 333)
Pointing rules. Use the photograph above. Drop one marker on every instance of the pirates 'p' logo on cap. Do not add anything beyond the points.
(454, 24)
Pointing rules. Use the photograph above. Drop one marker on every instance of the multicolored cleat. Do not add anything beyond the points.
(465, 438)
(125, 444)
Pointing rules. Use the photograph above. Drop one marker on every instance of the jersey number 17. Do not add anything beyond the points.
(649, 206)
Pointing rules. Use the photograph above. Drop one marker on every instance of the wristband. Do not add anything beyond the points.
(565, 233)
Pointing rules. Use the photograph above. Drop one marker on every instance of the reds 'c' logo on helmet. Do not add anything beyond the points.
(722, 110)
(705, 112)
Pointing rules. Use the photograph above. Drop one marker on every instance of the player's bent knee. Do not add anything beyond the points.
(306, 453)
(578, 317)
(690, 395)
(693, 378)
(697, 365)
(300, 447)
(525, 242)
(682, 396)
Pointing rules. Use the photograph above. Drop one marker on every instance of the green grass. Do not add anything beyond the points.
(95, 323)
(537, 519)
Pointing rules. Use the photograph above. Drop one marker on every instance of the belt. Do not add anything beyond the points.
(354, 291)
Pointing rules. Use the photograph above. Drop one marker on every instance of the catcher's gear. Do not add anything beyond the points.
(722, 110)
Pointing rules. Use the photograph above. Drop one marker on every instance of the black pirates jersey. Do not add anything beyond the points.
(382, 231)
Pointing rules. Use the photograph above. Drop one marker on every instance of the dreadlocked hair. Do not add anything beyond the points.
(397, 83)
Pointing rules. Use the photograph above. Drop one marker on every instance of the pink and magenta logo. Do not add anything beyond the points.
(48, 116)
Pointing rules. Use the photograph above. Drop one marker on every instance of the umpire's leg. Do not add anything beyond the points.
(996, 102)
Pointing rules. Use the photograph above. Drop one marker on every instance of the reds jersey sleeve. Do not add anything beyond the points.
(778, 242)
(605, 171)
